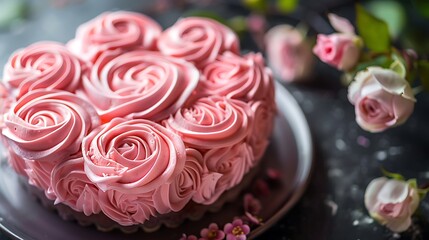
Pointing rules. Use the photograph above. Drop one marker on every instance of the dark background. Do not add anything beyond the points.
(346, 157)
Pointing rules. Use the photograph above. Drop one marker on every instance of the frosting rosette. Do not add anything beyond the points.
(212, 122)
(72, 187)
(198, 40)
(43, 65)
(232, 162)
(114, 30)
(48, 125)
(174, 196)
(264, 114)
(127, 209)
(133, 156)
(139, 84)
(39, 175)
(239, 77)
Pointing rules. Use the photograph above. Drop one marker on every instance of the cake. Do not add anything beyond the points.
(130, 125)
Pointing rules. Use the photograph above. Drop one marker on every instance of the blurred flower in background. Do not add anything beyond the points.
(289, 53)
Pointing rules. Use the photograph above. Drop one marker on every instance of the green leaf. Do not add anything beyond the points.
(256, 5)
(12, 11)
(422, 7)
(381, 61)
(398, 67)
(373, 31)
(395, 176)
(423, 71)
(390, 12)
(206, 14)
(287, 6)
(238, 24)
(413, 183)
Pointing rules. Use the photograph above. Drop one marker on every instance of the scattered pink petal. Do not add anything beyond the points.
(363, 141)
(252, 204)
(253, 219)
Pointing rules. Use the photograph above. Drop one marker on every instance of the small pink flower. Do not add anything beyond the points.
(190, 237)
(236, 230)
(212, 233)
(341, 50)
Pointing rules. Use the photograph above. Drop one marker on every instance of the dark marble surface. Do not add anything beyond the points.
(346, 157)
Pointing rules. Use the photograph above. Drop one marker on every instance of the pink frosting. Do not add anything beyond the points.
(127, 208)
(48, 125)
(212, 122)
(39, 175)
(264, 114)
(239, 77)
(43, 65)
(133, 156)
(232, 162)
(72, 187)
(174, 196)
(198, 40)
(139, 84)
(114, 30)
(16, 162)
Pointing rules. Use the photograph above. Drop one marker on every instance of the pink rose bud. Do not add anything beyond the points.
(382, 99)
(342, 49)
(339, 50)
(288, 53)
(391, 202)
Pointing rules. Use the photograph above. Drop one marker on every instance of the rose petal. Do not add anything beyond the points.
(392, 82)
(393, 191)
(372, 191)
(399, 225)
(341, 24)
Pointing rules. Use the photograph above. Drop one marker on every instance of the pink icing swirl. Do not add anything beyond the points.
(198, 40)
(174, 196)
(114, 30)
(264, 114)
(43, 65)
(212, 122)
(133, 156)
(72, 187)
(232, 162)
(48, 125)
(16, 162)
(39, 175)
(126, 208)
(139, 84)
(231, 75)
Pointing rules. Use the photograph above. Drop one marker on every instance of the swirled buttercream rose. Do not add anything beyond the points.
(43, 65)
(127, 209)
(72, 187)
(174, 196)
(39, 175)
(114, 30)
(48, 125)
(198, 40)
(139, 84)
(232, 162)
(16, 162)
(264, 114)
(133, 156)
(212, 122)
(231, 75)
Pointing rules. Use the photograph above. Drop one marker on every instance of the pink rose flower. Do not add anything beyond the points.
(236, 230)
(288, 53)
(382, 99)
(391, 202)
(341, 50)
